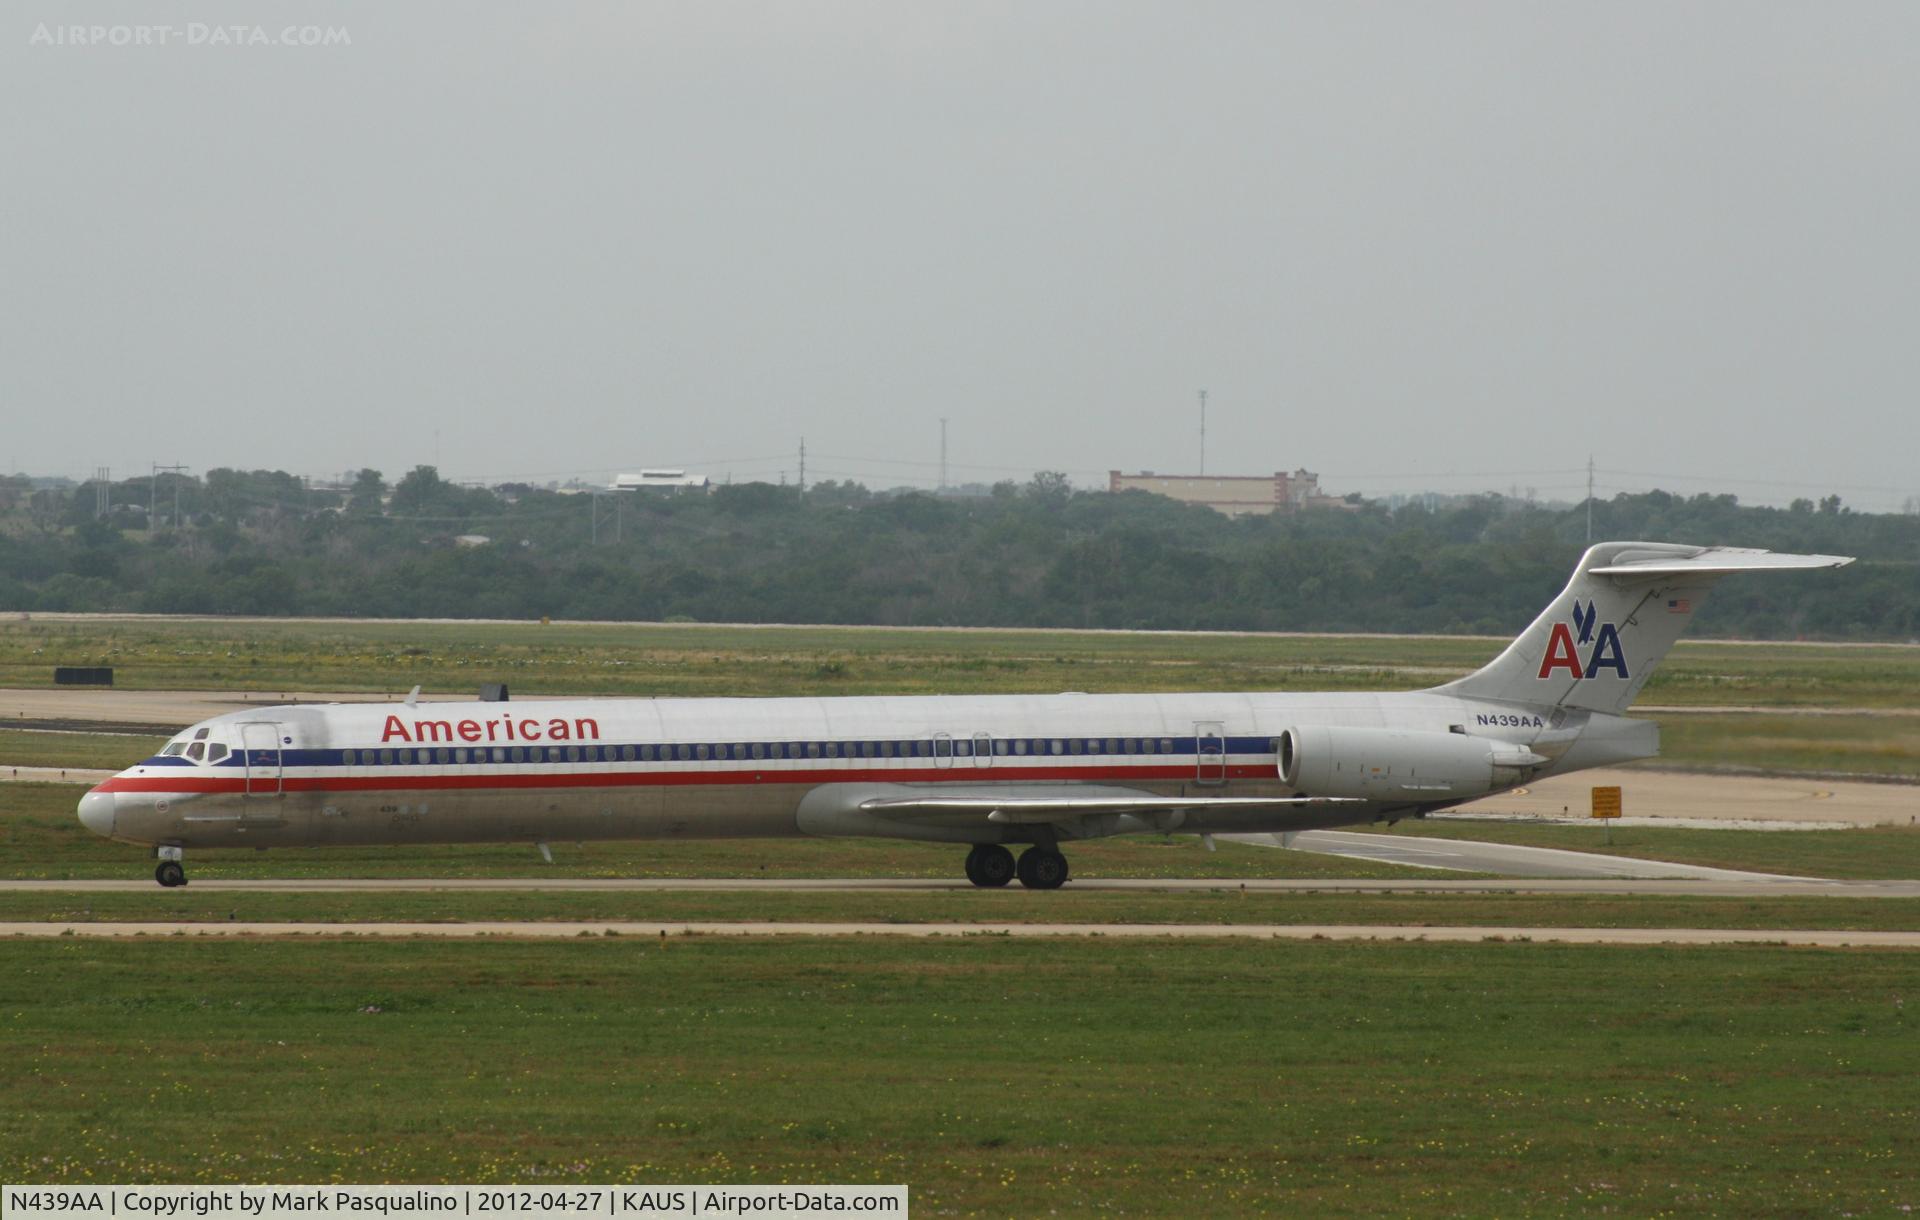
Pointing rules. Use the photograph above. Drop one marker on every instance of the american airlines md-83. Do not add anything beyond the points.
(985, 771)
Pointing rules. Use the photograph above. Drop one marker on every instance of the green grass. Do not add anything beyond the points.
(1227, 905)
(96, 751)
(1866, 745)
(655, 659)
(994, 1076)
(1850, 852)
(41, 837)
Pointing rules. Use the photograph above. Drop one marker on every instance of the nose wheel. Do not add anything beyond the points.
(170, 872)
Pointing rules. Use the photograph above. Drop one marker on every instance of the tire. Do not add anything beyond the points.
(170, 873)
(1042, 868)
(989, 865)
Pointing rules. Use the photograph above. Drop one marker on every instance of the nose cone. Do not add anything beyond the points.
(96, 812)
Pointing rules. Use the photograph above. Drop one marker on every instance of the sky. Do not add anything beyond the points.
(1409, 246)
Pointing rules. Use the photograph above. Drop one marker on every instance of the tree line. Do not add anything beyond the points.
(1037, 554)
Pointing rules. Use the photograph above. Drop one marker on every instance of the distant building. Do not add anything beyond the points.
(1234, 495)
(663, 480)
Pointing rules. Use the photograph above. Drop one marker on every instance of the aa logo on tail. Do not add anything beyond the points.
(1563, 652)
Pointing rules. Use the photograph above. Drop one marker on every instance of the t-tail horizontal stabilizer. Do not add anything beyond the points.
(1597, 644)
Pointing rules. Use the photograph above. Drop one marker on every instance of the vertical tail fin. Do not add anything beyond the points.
(1596, 644)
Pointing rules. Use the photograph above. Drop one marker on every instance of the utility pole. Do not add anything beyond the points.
(153, 495)
(103, 490)
(1203, 432)
(803, 465)
(1589, 499)
(943, 453)
(599, 512)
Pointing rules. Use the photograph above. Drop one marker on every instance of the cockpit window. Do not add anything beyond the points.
(200, 734)
(174, 749)
(197, 750)
(216, 752)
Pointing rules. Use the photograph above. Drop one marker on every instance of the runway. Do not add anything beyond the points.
(1754, 885)
(657, 932)
(1465, 855)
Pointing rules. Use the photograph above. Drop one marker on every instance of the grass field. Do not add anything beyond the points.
(1227, 905)
(994, 1076)
(97, 751)
(689, 659)
(1786, 744)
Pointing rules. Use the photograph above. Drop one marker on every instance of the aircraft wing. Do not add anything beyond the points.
(1069, 805)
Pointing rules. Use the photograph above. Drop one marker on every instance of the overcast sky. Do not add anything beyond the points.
(1409, 246)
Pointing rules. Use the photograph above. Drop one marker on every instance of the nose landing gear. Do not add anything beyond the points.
(170, 872)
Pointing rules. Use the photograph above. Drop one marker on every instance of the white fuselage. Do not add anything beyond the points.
(580, 769)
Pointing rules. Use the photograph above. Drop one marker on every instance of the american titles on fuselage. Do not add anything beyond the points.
(504, 728)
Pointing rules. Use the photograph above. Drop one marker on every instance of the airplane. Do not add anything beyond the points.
(984, 771)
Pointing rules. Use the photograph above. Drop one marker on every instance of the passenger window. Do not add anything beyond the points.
(683, 753)
(386, 758)
(499, 754)
(1000, 748)
(1113, 745)
(833, 749)
(759, 750)
(813, 749)
(626, 753)
(963, 749)
(1053, 746)
(1166, 745)
(443, 756)
(346, 756)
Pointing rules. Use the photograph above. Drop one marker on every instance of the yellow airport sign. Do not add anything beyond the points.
(1606, 802)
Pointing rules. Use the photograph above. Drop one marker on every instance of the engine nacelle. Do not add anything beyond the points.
(1398, 764)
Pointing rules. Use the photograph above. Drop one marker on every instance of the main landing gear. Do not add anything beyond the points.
(170, 872)
(1040, 867)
